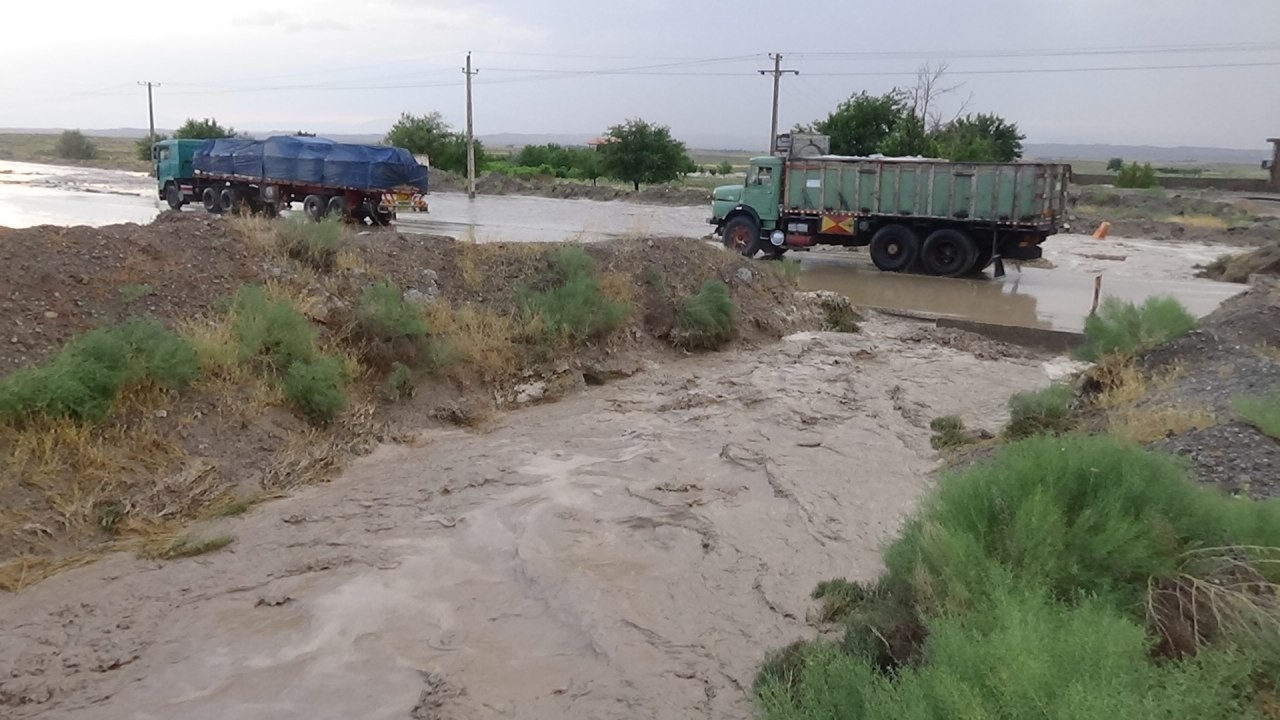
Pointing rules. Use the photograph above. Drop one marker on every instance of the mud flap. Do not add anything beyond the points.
(999, 267)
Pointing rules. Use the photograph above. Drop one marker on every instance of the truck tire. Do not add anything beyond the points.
(742, 235)
(209, 199)
(337, 207)
(314, 207)
(229, 200)
(894, 248)
(173, 196)
(948, 253)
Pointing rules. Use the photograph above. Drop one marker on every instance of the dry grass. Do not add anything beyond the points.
(1208, 222)
(476, 260)
(314, 455)
(184, 546)
(256, 231)
(476, 343)
(26, 571)
(1147, 424)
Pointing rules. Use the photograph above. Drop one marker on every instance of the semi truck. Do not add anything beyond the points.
(355, 183)
(920, 215)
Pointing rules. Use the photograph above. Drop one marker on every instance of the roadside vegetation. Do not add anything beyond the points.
(321, 341)
(1068, 575)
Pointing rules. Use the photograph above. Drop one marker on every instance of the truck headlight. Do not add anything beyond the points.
(777, 238)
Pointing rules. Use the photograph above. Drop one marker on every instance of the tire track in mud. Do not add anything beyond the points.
(629, 552)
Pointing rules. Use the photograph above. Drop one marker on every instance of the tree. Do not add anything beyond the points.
(204, 129)
(73, 145)
(143, 147)
(1115, 165)
(861, 124)
(430, 135)
(979, 138)
(642, 152)
(725, 168)
(1136, 176)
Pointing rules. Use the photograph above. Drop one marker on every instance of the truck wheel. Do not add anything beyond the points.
(742, 235)
(337, 207)
(173, 196)
(894, 248)
(948, 253)
(209, 199)
(229, 200)
(313, 206)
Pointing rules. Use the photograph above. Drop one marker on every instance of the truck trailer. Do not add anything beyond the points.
(933, 216)
(355, 183)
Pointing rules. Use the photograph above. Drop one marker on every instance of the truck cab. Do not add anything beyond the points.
(741, 213)
(174, 171)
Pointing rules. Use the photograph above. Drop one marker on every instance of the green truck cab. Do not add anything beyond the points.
(935, 216)
(173, 170)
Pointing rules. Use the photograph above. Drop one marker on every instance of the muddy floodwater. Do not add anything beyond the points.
(629, 552)
(1059, 298)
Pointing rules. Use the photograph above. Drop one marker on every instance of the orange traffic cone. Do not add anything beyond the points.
(1101, 232)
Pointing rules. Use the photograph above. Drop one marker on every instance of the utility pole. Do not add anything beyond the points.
(151, 110)
(471, 139)
(777, 73)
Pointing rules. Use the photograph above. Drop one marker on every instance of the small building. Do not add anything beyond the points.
(595, 143)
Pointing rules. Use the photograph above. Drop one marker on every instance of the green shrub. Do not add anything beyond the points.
(1075, 516)
(385, 315)
(1020, 589)
(1262, 412)
(73, 145)
(1023, 657)
(314, 243)
(574, 306)
(270, 332)
(399, 383)
(1040, 412)
(84, 379)
(948, 432)
(1134, 175)
(280, 341)
(316, 388)
(839, 598)
(705, 321)
(725, 168)
(1120, 326)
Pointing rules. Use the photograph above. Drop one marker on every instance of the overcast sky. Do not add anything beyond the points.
(352, 66)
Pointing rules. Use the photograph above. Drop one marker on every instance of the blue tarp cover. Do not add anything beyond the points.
(312, 161)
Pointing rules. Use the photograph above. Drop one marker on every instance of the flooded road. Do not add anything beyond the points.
(1058, 298)
(639, 565)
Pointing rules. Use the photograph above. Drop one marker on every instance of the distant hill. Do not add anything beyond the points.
(1144, 153)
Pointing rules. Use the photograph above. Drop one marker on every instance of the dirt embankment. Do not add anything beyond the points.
(631, 551)
(1239, 268)
(551, 187)
(1183, 396)
(164, 457)
(1166, 215)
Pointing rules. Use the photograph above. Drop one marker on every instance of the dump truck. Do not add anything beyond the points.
(933, 216)
(355, 183)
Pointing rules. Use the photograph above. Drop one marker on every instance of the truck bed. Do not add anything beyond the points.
(1021, 194)
(311, 162)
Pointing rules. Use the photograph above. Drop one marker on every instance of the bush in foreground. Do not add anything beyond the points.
(1040, 412)
(1121, 326)
(280, 341)
(84, 379)
(1039, 585)
(312, 243)
(575, 307)
(705, 320)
